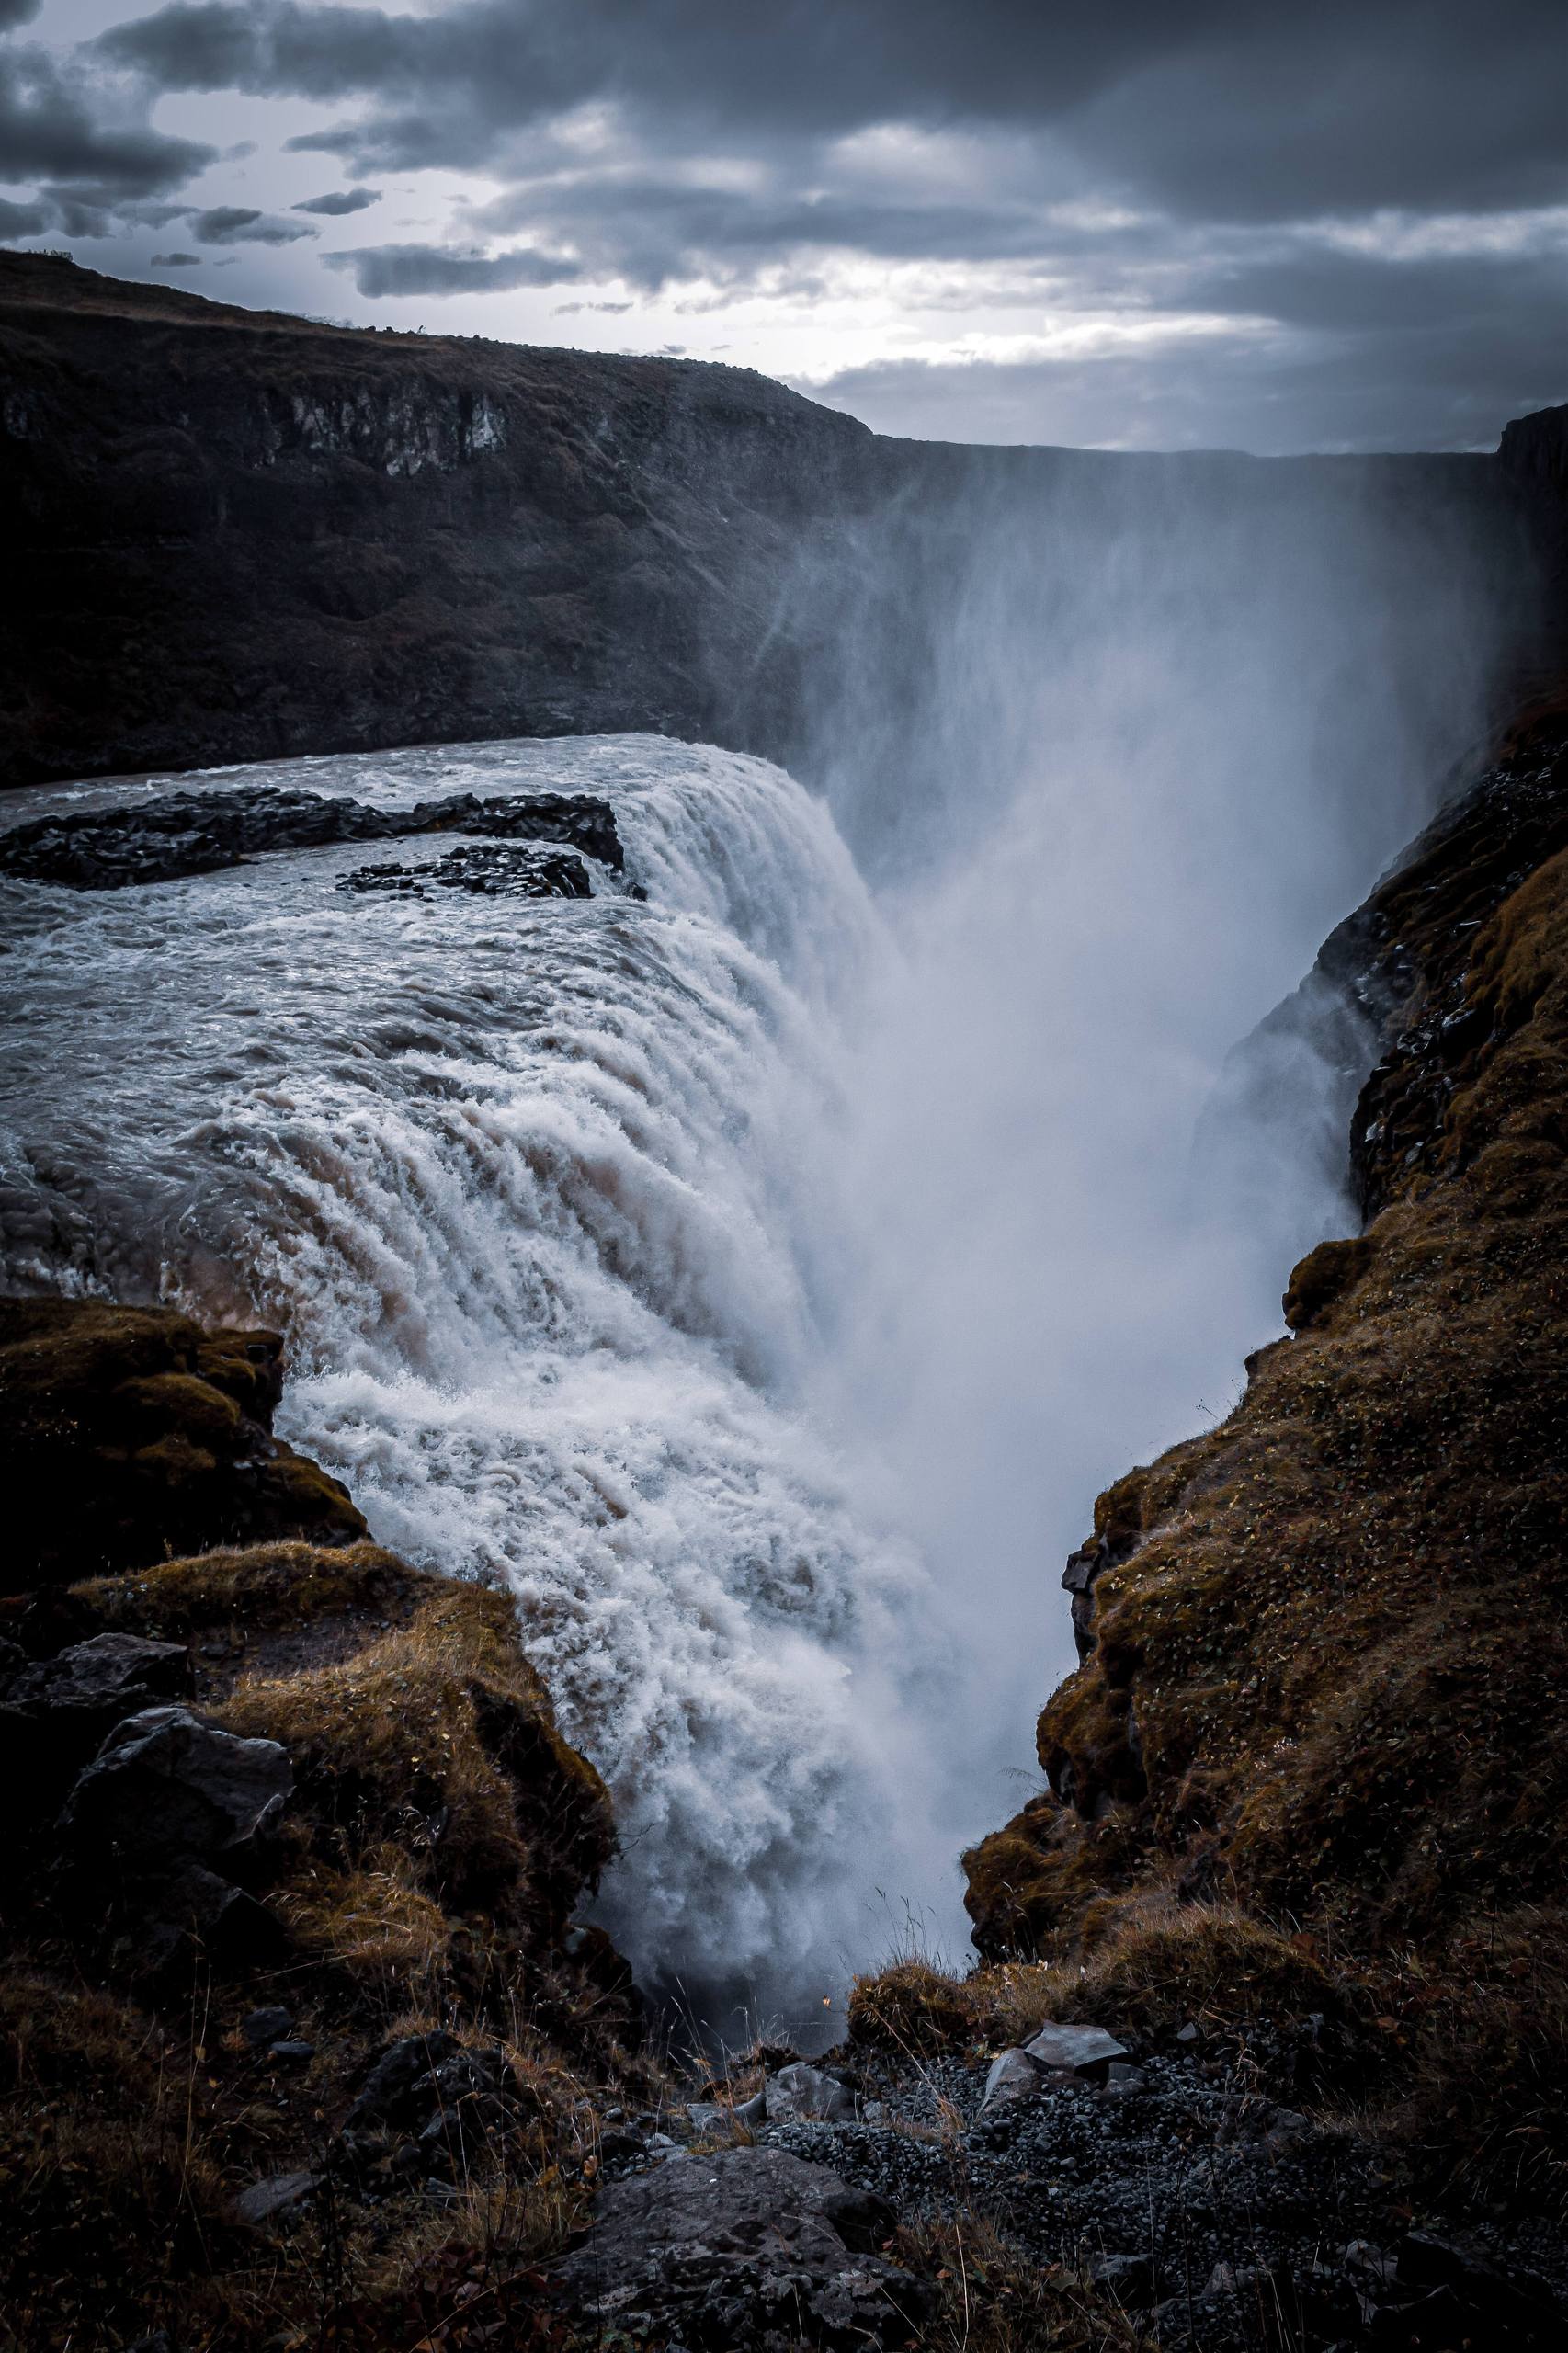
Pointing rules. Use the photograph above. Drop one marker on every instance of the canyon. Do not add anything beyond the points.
(371, 1731)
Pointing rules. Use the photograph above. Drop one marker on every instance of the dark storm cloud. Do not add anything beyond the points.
(338, 202)
(1218, 106)
(244, 224)
(49, 129)
(446, 269)
(22, 219)
(177, 261)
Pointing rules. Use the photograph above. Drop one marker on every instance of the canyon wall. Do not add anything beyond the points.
(244, 536)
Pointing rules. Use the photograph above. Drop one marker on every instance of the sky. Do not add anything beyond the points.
(1118, 224)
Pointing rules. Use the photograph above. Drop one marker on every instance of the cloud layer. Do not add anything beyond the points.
(1345, 226)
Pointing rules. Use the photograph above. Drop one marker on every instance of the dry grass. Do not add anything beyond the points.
(993, 2298)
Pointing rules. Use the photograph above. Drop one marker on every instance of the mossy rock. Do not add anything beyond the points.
(130, 1434)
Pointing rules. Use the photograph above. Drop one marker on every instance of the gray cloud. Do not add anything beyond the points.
(1243, 162)
(177, 261)
(245, 224)
(1223, 104)
(382, 270)
(338, 202)
(49, 128)
(22, 219)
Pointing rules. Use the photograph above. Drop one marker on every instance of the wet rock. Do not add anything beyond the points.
(746, 2247)
(180, 834)
(1013, 2075)
(281, 2193)
(801, 2093)
(485, 870)
(1074, 2049)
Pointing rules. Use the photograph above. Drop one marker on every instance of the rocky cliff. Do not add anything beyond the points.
(244, 535)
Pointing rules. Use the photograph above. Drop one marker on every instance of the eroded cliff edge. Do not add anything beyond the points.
(1319, 1735)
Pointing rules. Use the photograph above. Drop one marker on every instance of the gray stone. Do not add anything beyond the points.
(725, 2249)
(291, 2054)
(1121, 2077)
(281, 2193)
(713, 2120)
(1289, 2133)
(166, 1787)
(1128, 2277)
(1013, 2075)
(802, 2095)
(97, 1675)
(1074, 2049)
(262, 2028)
(396, 2089)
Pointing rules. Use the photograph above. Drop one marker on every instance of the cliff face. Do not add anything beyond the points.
(1325, 1644)
(244, 536)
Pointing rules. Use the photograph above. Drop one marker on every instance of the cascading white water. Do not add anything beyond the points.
(529, 1184)
(761, 1278)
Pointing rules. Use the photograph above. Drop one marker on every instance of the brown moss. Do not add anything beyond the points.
(428, 1768)
(127, 1434)
(260, 1585)
(911, 2009)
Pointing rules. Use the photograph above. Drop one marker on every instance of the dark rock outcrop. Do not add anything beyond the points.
(176, 833)
(262, 1800)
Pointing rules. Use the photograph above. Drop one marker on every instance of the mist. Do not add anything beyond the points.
(1118, 743)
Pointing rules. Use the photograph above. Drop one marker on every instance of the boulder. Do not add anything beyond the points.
(1076, 2049)
(1013, 2075)
(55, 1711)
(169, 1789)
(803, 2094)
(745, 2246)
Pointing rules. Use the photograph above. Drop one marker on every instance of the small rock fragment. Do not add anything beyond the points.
(1013, 2075)
(801, 2093)
(1074, 2049)
(263, 2028)
(279, 2194)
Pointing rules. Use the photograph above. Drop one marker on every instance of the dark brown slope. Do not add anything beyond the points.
(1324, 1711)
